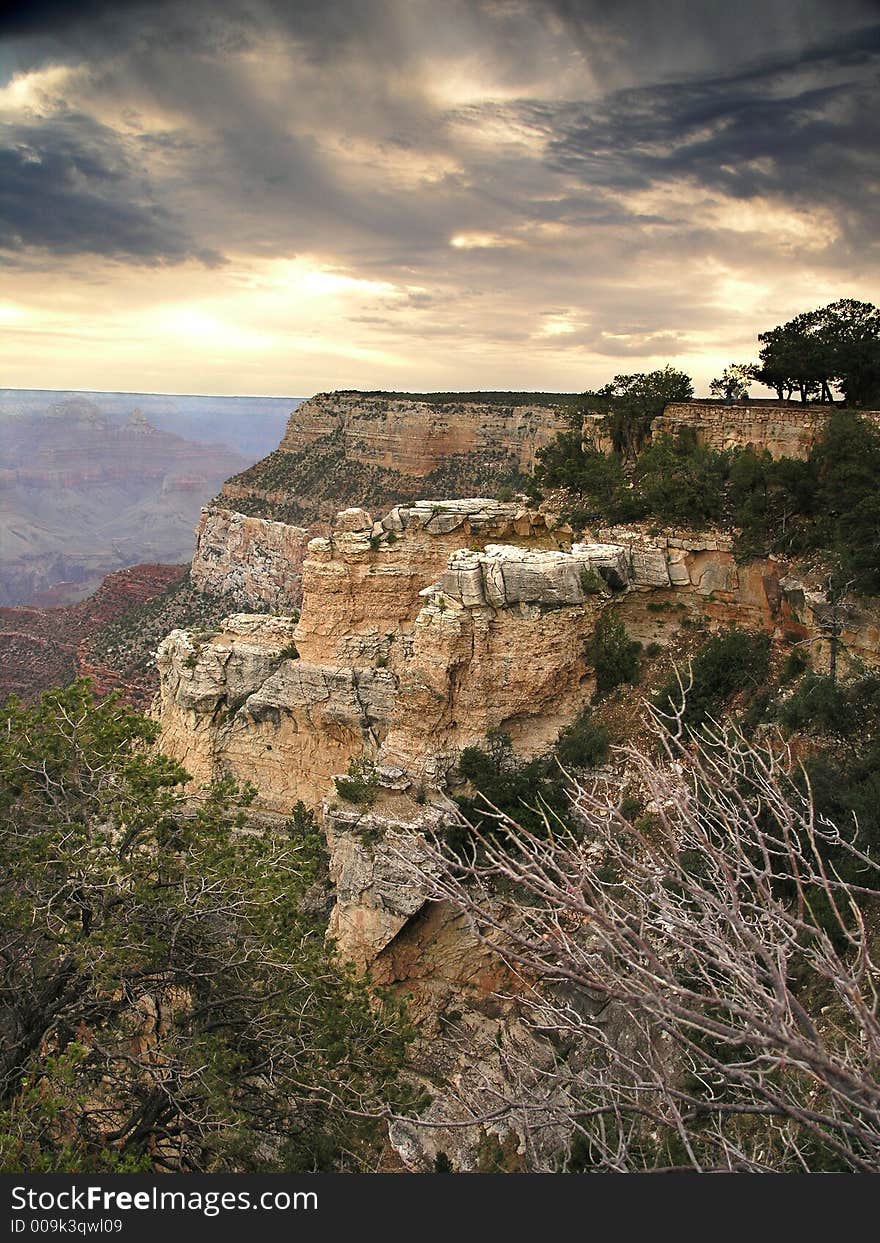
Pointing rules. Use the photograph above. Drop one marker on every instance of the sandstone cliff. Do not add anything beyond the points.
(419, 634)
(422, 632)
(377, 450)
(785, 429)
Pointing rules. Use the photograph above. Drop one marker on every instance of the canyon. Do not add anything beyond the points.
(372, 647)
(43, 647)
(83, 494)
(348, 629)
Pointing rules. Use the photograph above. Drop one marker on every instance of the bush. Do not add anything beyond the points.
(584, 743)
(591, 583)
(291, 652)
(115, 890)
(361, 784)
(796, 663)
(678, 481)
(598, 478)
(613, 655)
(834, 707)
(725, 665)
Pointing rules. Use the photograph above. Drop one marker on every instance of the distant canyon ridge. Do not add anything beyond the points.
(91, 483)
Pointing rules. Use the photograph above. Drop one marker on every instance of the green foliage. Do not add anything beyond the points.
(164, 999)
(524, 790)
(583, 744)
(679, 482)
(796, 663)
(591, 583)
(726, 665)
(844, 769)
(613, 655)
(634, 401)
(361, 785)
(829, 503)
(291, 652)
(598, 478)
(835, 346)
(734, 383)
(846, 504)
(833, 707)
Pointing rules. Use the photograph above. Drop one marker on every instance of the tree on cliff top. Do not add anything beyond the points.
(834, 346)
(166, 1001)
(733, 384)
(634, 401)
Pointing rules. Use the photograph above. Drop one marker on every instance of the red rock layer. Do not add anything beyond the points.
(40, 647)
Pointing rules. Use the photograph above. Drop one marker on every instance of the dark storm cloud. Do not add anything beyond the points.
(769, 131)
(68, 186)
(587, 143)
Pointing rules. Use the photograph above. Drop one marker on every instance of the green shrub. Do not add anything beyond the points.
(725, 665)
(360, 785)
(584, 743)
(835, 707)
(289, 653)
(596, 477)
(613, 655)
(679, 482)
(591, 583)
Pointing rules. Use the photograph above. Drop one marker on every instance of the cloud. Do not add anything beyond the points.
(69, 186)
(646, 179)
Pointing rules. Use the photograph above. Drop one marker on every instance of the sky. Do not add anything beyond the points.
(293, 196)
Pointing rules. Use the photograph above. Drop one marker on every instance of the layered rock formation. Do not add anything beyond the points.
(420, 633)
(257, 562)
(41, 648)
(370, 449)
(785, 429)
(82, 496)
(377, 644)
(414, 436)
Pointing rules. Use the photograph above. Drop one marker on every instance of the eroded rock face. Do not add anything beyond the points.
(423, 631)
(370, 850)
(414, 437)
(259, 562)
(419, 634)
(380, 667)
(784, 429)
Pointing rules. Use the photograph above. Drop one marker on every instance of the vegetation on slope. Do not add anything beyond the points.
(167, 997)
(829, 503)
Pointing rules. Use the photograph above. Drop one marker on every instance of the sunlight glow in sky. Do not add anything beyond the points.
(248, 197)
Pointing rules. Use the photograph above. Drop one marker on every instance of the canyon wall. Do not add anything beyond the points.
(424, 631)
(378, 450)
(256, 561)
(414, 437)
(785, 429)
(419, 634)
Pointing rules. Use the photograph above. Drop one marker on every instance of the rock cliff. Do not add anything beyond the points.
(422, 632)
(377, 449)
(419, 634)
(785, 429)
